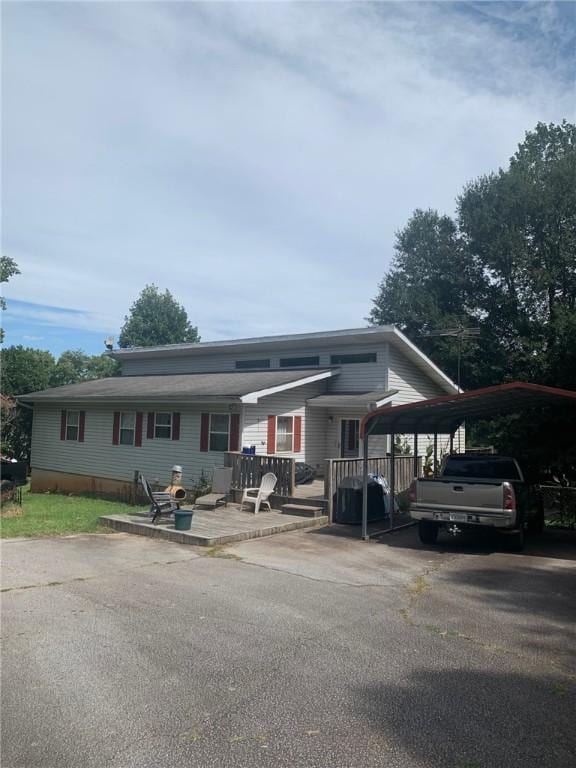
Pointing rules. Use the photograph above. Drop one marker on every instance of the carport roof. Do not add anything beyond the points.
(445, 414)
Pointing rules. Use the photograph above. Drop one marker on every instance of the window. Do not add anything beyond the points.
(365, 357)
(284, 433)
(127, 428)
(219, 431)
(243, 364)
(72, 424)
(163, 425)
(299, 362)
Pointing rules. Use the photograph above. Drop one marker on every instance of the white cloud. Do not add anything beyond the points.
(256, 159)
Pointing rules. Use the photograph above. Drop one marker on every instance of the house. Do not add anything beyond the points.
(301, 396)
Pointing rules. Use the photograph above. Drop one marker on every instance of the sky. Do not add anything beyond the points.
(256, 159)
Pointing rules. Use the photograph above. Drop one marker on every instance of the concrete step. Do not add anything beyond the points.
(302, 510)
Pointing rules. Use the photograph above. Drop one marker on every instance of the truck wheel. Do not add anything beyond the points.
(427, 532)
(516, 541)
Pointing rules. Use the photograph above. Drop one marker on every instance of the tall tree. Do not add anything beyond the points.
(156, 318)
(8, 268)
(433, 284)
(507, 264)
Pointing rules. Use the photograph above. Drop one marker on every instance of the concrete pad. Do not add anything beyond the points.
(319, 555)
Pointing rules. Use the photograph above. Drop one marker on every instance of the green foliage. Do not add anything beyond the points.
(74, 366)
(401, 446)
(156, 318)
(8, 268)
(24, 370)
(506, 264)
(201, 487)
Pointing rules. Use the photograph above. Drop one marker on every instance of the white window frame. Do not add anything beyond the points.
(73, 426)
(217, 432)
(127, 429)
(291, 433)
(170, 425)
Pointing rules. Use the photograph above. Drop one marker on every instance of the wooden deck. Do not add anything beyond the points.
(212, 527)
(313, 490)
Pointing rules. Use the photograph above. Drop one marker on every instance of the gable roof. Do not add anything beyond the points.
(349, 337)
(234, 386)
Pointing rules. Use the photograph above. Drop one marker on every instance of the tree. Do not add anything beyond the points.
(74, 366)
(433, 284)
(156, 318)
(507, 264)
(25, 370)
(8, 268)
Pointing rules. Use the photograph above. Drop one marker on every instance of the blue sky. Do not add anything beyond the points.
(255, 159)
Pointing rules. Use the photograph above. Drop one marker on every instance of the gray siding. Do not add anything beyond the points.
(363, 377)
(289, 403)
(411, 381)
(98, 457)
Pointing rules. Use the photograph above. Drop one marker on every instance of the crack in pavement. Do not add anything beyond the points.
(420, 586)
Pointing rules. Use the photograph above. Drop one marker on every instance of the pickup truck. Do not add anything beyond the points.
(476, 491)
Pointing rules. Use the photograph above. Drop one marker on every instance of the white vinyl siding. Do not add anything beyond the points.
(98, 457)
(411, 381)
(289, 403)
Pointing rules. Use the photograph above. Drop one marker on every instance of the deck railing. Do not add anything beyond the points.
(335, 470)
(247, 471)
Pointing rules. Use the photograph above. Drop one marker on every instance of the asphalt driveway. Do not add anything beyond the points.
(304, 649)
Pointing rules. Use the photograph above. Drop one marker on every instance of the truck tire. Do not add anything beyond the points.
(516, 541)
(427, 531)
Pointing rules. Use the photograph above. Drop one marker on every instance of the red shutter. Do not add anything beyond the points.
(271, 447)
(234, 431)
(63, 425)
(138, 430)
(204, 431)
(175, 426)
(297, 434)
(81, 425)
(150, 427)
(116, 428)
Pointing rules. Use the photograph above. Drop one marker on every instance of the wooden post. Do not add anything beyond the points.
(415, 470)
(451, 443)
(435, 464)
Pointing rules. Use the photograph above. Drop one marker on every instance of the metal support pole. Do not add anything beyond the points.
(392, 480)
(415, 470)
(435, 453)
(451, 443)
(365, 488)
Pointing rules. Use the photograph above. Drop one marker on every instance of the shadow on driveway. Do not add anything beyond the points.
(468, 718)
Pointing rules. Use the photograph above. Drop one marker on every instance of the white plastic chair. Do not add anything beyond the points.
(259, 496)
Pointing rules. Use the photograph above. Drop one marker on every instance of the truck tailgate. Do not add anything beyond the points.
(460, 495)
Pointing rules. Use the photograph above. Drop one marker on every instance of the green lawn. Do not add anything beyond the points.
(53, 514)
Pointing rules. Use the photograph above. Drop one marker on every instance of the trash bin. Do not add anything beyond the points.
(349, 501)
(183, 520)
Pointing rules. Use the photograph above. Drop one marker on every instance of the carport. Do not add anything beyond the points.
(444, 415)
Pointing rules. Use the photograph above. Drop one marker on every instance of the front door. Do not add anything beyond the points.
(349, 438)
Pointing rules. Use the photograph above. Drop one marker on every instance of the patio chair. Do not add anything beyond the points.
(258, 496)
(161, 503)
(221, 484)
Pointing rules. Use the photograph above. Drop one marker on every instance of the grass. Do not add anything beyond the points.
(55, 514)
